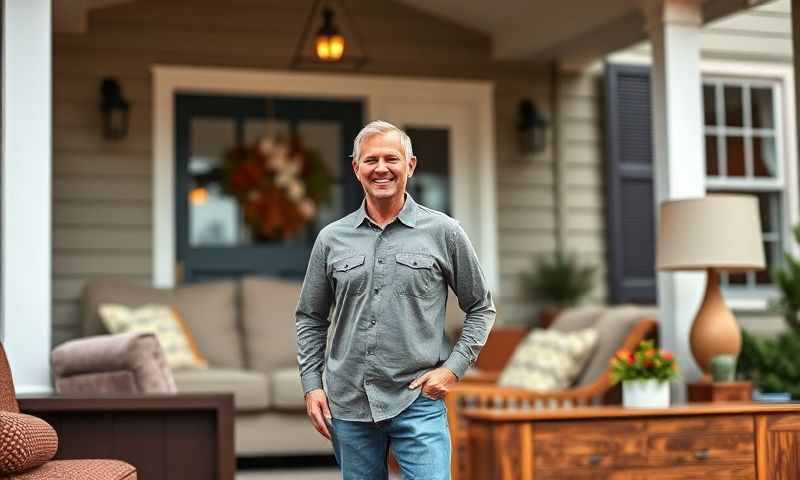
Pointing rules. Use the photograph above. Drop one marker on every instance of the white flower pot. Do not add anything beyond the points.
(645, 393)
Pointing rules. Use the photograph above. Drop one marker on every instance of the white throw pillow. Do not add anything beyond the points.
(169, 328)
(549, 359)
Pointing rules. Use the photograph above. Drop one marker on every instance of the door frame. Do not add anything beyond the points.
(381, 96)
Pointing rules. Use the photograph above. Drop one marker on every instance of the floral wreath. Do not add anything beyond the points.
(279, 185)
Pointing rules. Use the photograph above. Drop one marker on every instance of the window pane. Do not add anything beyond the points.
(430, 184)
(764, 157)
(733, 106)
(735, 156)
(213, 214)
(771, 254)
(709, 105)
(761, 105)
(712, 160)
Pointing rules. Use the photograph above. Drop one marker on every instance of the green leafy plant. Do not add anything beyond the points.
(559, 280)
(772, 364)
(787, 277)
(645, 363)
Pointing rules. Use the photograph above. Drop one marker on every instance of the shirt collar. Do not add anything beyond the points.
(407, 215)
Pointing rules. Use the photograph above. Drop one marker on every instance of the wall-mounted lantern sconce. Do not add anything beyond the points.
(531, 128)
(115, 109)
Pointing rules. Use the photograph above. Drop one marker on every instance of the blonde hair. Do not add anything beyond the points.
(379, 127)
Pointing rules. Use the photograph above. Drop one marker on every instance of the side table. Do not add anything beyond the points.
(164, 436)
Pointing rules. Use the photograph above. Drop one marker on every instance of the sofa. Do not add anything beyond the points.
(245, 329)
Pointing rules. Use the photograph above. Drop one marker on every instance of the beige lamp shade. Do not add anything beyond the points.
(722, 232)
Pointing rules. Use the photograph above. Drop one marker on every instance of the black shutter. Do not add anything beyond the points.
(630, 188)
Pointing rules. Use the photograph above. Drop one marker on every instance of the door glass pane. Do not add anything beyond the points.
(761, 101)
(325, 139)
(734, 115)
(430, 184)
(213, 214)
(256, 128)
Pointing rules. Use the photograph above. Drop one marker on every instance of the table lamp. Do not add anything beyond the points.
(714, 233)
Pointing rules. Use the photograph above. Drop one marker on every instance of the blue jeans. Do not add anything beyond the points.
(418, 437)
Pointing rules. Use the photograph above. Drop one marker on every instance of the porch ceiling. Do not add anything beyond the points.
(543, 30)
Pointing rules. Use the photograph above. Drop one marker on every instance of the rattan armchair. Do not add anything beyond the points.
(27, 444)
(481, 391)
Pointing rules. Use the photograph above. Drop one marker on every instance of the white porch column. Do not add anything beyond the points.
(26, 175)
(674, 28)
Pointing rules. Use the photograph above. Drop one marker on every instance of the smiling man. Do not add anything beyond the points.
(378, 280)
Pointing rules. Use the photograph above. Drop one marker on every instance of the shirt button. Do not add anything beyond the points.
(373, 322)
(377, 290)
(380, 260)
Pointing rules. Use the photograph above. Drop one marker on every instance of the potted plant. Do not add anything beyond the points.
(558, 281)
(773, 363)
(645, 374)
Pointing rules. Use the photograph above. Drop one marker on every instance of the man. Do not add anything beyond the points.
(379, 279)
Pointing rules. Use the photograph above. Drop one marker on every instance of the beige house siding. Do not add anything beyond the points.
(102, 223)
(583, 191)
(763, 33)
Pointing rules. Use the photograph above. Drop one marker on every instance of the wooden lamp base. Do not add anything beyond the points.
(714, 330)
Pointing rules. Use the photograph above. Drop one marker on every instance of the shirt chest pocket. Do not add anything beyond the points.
(415, 275)
(350, 275)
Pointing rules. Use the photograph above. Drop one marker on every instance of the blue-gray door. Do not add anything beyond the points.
(215, 238)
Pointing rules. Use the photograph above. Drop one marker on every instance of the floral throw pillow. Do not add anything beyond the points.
(549, 359)
(165, 322)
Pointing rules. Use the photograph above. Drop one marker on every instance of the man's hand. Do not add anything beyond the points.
(436, 383)
(318, 412)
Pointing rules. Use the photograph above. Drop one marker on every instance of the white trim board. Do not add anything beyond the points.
(463, 106)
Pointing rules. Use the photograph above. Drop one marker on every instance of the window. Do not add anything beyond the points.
(744, 155)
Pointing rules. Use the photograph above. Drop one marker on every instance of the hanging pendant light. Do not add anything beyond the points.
(330, 39)
(329, 42)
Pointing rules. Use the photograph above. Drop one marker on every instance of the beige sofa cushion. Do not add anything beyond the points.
(577, 318)
(287, 390)
(613, 327)
(548, 359)
(250, 389)
(268, 308)
(209, 310)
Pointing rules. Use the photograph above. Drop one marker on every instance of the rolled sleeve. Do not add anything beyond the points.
(311, 319)
(474, 298)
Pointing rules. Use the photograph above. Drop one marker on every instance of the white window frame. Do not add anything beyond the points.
(749, 183)
(781, 77)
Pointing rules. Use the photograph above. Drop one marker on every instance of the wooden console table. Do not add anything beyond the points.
(163, 436)
(702, 441)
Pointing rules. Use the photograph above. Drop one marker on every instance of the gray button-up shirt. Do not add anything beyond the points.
(383, 294)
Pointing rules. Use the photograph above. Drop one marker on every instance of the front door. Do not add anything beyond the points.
(245, 202)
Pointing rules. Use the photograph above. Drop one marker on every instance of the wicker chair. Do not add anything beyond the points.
(619, 327)
(28, 443)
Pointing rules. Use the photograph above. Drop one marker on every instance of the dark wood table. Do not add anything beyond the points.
(164, 436)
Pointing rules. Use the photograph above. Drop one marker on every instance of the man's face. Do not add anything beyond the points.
(383, 169)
